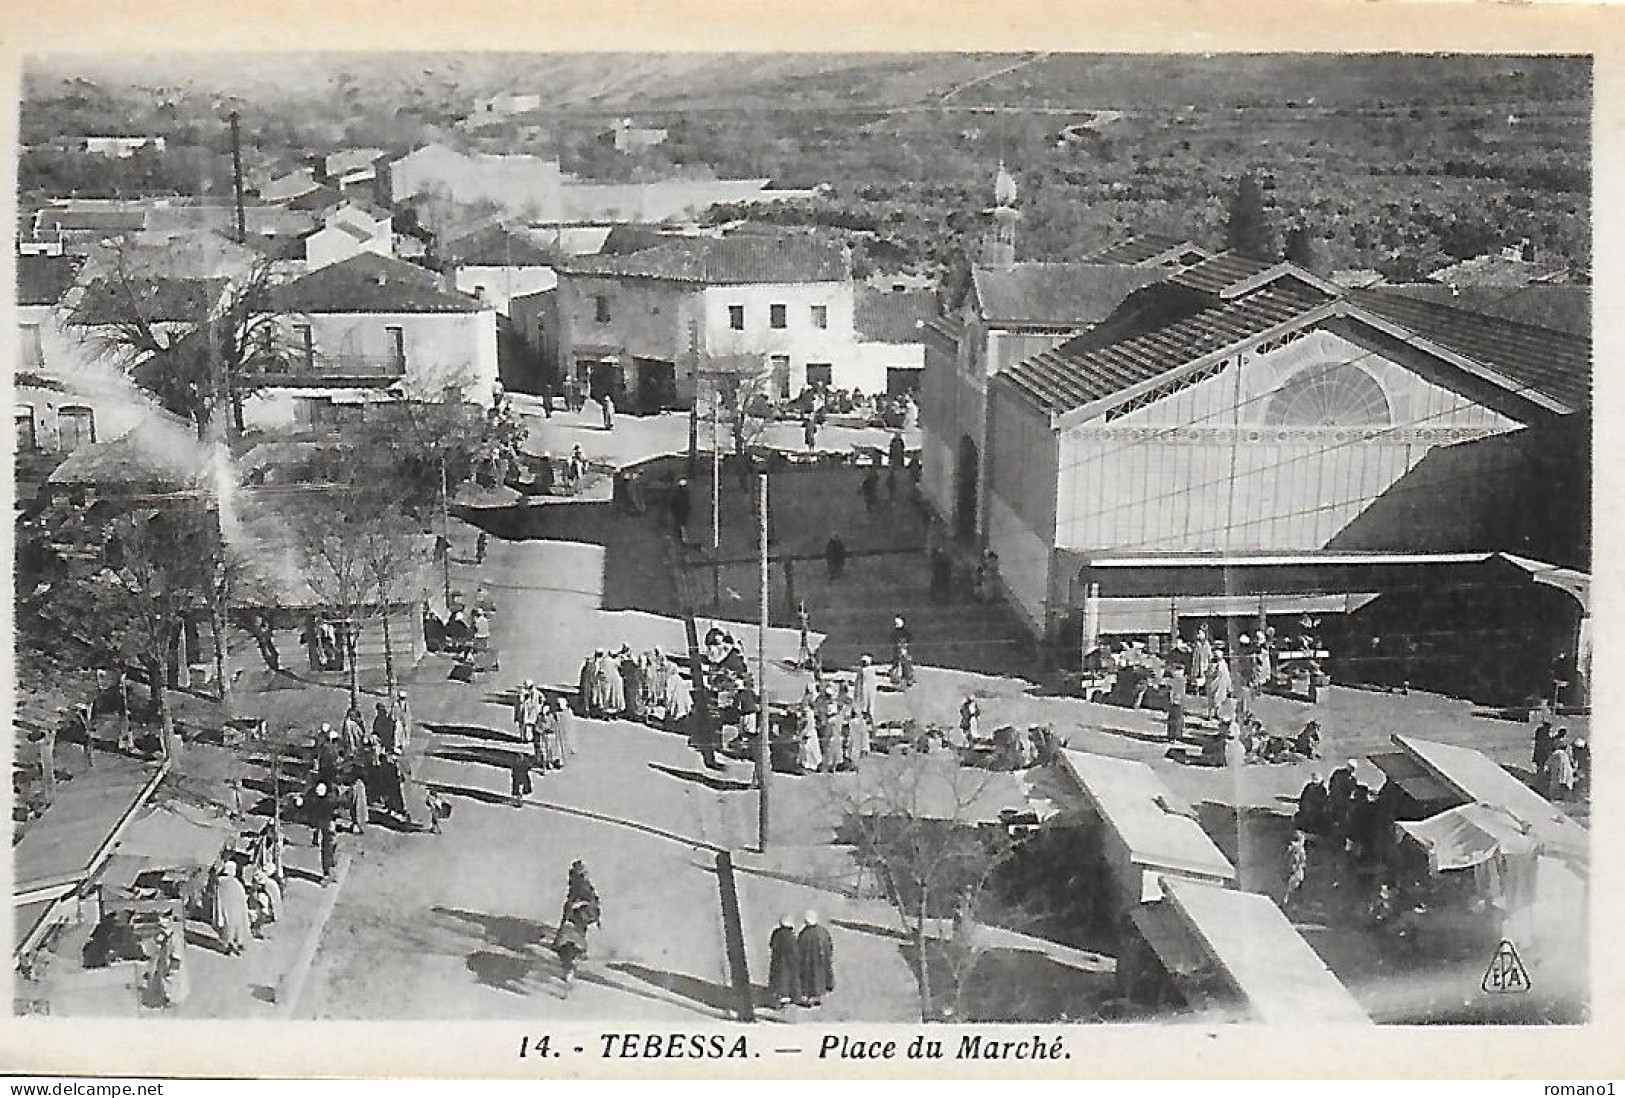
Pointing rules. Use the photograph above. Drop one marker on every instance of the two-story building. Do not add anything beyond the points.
(372, 328)
(637, 324)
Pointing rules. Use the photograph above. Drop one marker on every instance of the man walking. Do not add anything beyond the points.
(815, 953)
(835, 556)
(783, 964)
(401, 711)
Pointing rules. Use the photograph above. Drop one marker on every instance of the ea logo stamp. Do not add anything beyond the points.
(1506, 974)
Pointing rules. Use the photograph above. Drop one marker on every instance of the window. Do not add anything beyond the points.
(33, 356)
(1336, 395)
(780, 365)
(736, 317)
(601, 308)
(776, 316)
(27, 437)
(820, 375)
(397, 347)
(307, 344)
(75, 426)
(820, 316)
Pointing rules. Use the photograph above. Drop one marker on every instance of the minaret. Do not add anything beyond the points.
(999, 247)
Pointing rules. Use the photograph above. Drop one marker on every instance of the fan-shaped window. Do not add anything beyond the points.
(1340, 395)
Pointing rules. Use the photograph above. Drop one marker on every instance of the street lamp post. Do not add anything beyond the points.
(764, 742)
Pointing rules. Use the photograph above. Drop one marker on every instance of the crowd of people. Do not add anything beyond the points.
(1562, 766)
(640, 686)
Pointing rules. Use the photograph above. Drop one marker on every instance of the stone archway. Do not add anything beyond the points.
(967, 499)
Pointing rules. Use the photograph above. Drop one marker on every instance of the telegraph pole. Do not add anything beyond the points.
(764, 741)
(445, 533)
(237, 176)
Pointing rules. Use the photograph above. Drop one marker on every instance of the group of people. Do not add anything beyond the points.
(464, 628)
(1349, 812)
(547, 729)
(358, 769)
(643, 686)
(324, 644)
(836, 720)
(801, 963)
(1562, 766)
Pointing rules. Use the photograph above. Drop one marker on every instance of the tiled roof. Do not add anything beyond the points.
(1562, 308)
(318, 198)
(1059, 380)
(1057, 294)
(1139, 249)
(146, 457)
(43, 279)
(1223, 271)
(495, 246)
(370, 283)
(892, 316)
(1551, 363)
(629, 237)
(734, 260)
(154, 299)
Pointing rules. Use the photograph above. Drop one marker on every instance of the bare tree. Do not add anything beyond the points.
(915, 817)
(736, 389)
(393, 555)
(334, 537)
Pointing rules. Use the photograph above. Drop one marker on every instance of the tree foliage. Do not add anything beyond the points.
(199, 366)
(1247, 228)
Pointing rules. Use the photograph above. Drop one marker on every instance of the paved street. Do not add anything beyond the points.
(458, 925)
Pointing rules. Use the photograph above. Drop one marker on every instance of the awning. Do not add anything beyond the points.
(1143, 815)
(1574, 582)
(1284, 981)
(1475, 777)
(1413, 779)
(1139, 616)
(1469, 835)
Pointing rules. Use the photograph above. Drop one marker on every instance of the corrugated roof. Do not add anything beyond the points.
(729, 260)
(1554, 364)
(1059, 380)
(369, 283)
(1223, 271)
(893, 316)
(153, 299)
(1562, 308)
(495, 246)
(1057, 294)
(43, 279)
(1138, 249)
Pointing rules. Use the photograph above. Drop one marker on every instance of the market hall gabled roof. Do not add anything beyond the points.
(1551, 363)
(1250, 297)
(1059, 380)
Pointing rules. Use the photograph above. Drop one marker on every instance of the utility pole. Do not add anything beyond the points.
(764, 740)
(716, 469)
(237, 176)
(445, 533)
